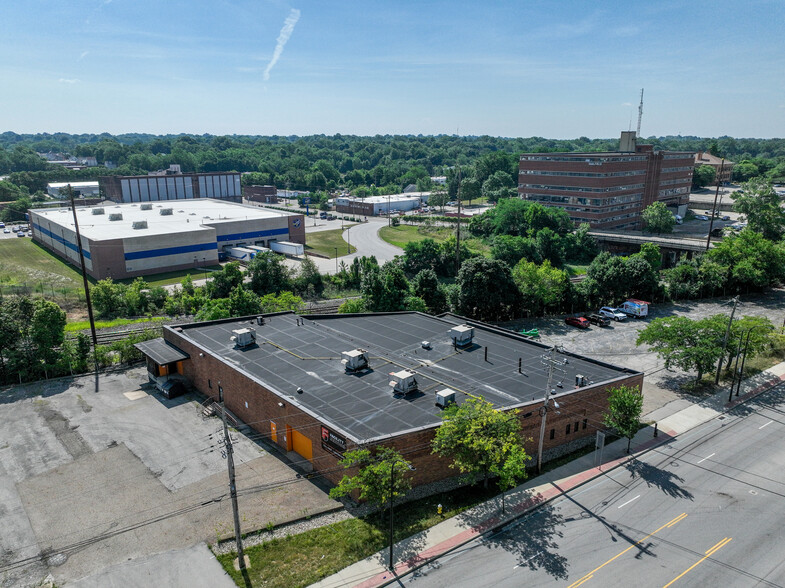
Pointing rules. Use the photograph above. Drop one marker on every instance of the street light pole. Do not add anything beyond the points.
(336, 259)
(744, 356)
(544, 410)
(725, 341)
(392, 499)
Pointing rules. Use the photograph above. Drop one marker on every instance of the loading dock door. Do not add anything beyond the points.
(302, 445)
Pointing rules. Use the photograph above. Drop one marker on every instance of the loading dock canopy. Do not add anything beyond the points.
(160, 351)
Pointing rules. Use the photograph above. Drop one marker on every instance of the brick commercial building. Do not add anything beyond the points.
(261, 194)
(608, 190)
(303, 382)
(172, 185)
(129, 240)
(723, 169)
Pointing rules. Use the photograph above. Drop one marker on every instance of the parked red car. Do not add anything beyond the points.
(577, 321)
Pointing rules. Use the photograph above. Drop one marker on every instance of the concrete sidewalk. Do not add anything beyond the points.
(416, 551)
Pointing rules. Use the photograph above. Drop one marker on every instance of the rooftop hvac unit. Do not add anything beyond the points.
(403, 382)
(462, 335)
(116, 216)
(444, 397)
(259, 320)
(243, 337)
(166, 212)
(580, 381)
(139, 224)
(98, 211)
(354, 360)
(147, 206)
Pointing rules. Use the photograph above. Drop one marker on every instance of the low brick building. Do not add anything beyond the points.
(291, 378)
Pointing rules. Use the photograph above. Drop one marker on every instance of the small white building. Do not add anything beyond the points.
(83, 189)
(381, 205)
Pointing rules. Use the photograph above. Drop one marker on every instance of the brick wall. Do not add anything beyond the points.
(257, 406)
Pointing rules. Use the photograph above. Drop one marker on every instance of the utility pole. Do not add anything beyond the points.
(714, 208)
(458, 229)
(725, 341)
(84, 280)
(232, 486)
(551, 363)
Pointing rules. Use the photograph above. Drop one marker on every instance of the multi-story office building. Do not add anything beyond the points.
(608, 190)
(723, 168)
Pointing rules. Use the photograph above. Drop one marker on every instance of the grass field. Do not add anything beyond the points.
(403, 234)
(23, 262)
(169, 278)
(83, 325)
(325, 243)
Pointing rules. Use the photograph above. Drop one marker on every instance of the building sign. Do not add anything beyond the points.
(296, 223)
(333, 442)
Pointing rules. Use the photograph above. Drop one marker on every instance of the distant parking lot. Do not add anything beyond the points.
(616, 344)
(89, 479)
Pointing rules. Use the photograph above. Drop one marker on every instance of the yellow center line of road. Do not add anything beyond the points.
(709, 552)
(588, 576)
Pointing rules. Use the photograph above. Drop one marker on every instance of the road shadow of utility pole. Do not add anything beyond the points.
(664, 480)
(408, 549)
(533, 539)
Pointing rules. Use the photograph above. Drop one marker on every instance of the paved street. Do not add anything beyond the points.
(702, 510)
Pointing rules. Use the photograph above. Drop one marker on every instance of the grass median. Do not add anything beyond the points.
(325, 243)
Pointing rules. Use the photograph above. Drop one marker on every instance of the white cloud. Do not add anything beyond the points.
(68, 80)
(626, 103)
(82, 55)
(286, 31)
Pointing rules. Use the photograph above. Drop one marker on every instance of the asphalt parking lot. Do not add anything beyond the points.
(616, 344)
(90, 478)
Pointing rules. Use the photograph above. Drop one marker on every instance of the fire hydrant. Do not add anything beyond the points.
(439, 510)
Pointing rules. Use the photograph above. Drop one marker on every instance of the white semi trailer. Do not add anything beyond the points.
(287, 248)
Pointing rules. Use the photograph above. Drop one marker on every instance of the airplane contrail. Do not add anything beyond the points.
(286, 31)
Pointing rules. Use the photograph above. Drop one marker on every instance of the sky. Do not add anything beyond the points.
(520, 68)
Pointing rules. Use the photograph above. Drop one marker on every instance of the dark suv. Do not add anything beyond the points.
(598, 319)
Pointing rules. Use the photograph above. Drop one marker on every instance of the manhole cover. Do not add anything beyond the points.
(57, 559)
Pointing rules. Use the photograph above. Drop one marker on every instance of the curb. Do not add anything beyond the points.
(539, 500)
(494, 524)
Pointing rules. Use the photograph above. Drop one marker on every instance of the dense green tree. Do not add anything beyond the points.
(549, 246)
(543, 288)
(224, 281)
(243, 302)
(762, 208)
(745, 171)
(625, 406)
(309, 281)
(580, 246)
(752, 262)
(658, 219)
(703, 175)
(487, 290)
(269, 274)
(686, 343)
(426, 286)
(512, 249)
(481, 440)
(381, 476)
(470, 190)
(214, 309)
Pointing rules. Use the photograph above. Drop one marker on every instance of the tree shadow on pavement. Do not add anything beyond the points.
(534, 541)
(654, 477)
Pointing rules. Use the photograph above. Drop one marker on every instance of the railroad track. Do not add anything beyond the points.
(106, 337)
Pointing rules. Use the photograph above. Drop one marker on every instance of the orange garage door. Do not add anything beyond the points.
(302, 445)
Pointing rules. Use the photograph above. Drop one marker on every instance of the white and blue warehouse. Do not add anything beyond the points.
(138, 239)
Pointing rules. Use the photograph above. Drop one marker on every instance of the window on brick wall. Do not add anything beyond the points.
(567, 432)
(553, 433)
(209, 383)
(585, 423)
(576, 426)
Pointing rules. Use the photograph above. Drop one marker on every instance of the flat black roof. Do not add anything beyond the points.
(288, 356)
(160, 351)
